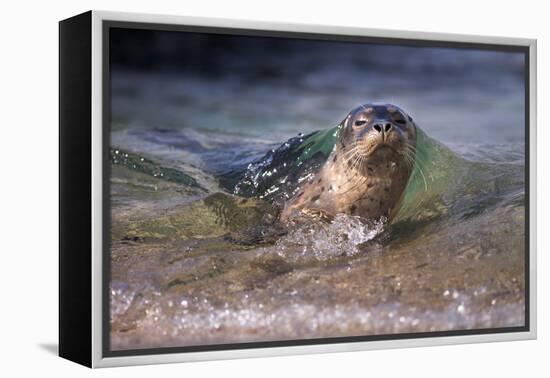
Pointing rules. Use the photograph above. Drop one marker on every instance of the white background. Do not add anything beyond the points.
(29, 205)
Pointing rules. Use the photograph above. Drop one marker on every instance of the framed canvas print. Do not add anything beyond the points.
(234, 189)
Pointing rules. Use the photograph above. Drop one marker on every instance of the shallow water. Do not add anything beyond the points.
(192, 264)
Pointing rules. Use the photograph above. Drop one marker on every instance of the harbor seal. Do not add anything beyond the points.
(366, 172)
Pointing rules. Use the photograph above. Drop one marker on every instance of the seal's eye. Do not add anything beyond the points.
(399, 119)
(360, 123)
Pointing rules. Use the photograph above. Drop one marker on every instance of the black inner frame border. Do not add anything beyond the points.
(106, 205)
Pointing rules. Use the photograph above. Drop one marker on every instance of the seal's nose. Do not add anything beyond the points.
(382, 127)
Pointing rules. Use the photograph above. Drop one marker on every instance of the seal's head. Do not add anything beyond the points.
(376, 139)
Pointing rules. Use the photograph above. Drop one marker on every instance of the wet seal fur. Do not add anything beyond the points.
(367, 171)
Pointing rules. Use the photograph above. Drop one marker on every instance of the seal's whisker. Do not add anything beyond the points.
(347, 157)
(352, 147)
(415, 162)
(355, 162)
(358, 163)
(360, 160)
(351, 151)
(410, 153)
(351, 157)
(423, 177)
(409, 156)
(417, 156)
(358, 182)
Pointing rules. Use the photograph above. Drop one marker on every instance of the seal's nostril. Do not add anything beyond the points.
(377, 128)
(388, 127)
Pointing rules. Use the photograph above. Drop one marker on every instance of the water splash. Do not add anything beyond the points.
(322, 241)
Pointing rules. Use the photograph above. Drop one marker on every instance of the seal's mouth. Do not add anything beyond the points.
(381, 147)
